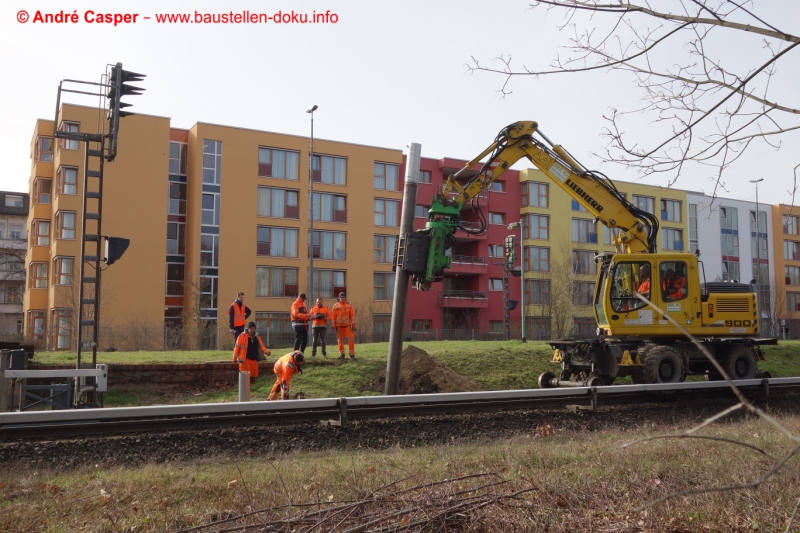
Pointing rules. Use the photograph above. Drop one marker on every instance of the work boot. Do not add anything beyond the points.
(272, 397)
(324, 355)
(341, 356)
(352, 356)
(313, 354)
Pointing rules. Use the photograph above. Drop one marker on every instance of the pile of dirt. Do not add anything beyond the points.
(422, 374)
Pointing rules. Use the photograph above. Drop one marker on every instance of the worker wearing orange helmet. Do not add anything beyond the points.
(246, 351)
(344, 320)
(286, 367)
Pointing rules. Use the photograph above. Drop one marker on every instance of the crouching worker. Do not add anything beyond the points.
(247, 349)
(284, 369)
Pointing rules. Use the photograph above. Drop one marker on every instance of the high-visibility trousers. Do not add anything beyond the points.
(343, 333)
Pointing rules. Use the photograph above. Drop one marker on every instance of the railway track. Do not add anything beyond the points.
(57, 425)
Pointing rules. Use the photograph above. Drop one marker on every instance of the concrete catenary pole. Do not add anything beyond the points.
(401, 276)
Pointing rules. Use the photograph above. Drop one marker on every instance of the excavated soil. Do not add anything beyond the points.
(422, 374)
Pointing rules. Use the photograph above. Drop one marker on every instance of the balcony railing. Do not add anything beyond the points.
(462, 295)
(468, 224)
(469, 260)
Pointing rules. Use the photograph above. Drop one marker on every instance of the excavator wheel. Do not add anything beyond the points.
(637, 372)
(741, 363)
(663, 364)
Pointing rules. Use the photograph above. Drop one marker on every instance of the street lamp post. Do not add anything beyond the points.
(757, 275)
(515, 225)
(311, 212)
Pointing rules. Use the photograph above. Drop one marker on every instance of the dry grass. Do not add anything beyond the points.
(545, 481)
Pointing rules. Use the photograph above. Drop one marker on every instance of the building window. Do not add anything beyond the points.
(386, 176)
(329, 283)
(383, 284)
(44, 149)
(535, 194)
(495, 284)
(63, 270)
(790, 224)
(609, 234)
(583, 262)
(65, 224)
(497, 218)
(281, 164)
(792, 275)
(175, 277)
(68, 180)
(386, 212)
(584, 230)
(178, 156)
(496, 250)
(645, 203)
(209, 250)
(793, 301)
(576, 206)
(693, 243)
(384, 248)
(210, 210)
(62, 329)
(41, 233)
(42, 190)
(537, 259)
(38, 276)
(671, 210)
(673, 239)
(538, 227)
(424, 176)
(421, 324)
(276, 282)
(329, 169)
(177, 198)
(277, 242)
(37, 326)
(329, 207)
(496, 326)
(421, 211)
(329, 245)
(176, 238)
(584, 327)
(273, 322)
(212, 162)
(279, 203)
(538, 327)
(498, 186)
(71, 127)
(15, 231)
(583, 293)
(791, 250)
(381, 324)
(11, 262)
(730, 270)
(14, 201)
(537, 291)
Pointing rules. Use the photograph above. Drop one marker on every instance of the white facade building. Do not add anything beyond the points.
(13, 245)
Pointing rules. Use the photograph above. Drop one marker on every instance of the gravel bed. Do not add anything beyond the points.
(373, 434)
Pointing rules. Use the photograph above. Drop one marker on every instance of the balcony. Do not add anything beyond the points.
(464, 299)
(468, 264)
(471, 226)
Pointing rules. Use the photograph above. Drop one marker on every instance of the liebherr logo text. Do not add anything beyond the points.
(583, 194)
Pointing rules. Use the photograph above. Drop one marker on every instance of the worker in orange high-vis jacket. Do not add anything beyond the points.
(238, 313)
(320, 315)
(286, 367)
(246, 351)
(344, 320)
(299, 315)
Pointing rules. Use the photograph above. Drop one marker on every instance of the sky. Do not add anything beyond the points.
(384, 74)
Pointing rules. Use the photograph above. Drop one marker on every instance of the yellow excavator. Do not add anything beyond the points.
(632, 338)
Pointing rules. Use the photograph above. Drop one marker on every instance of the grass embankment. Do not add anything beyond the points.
(494, 365)
(576, 482)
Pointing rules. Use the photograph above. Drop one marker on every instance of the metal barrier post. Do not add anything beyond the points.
(244, 386)
(5, 362)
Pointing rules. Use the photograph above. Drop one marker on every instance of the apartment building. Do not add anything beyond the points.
(13, 243)
(786, 284)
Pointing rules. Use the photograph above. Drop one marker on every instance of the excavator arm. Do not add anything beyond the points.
(423, 253)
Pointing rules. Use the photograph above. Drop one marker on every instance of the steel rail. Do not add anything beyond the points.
(70, 423)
